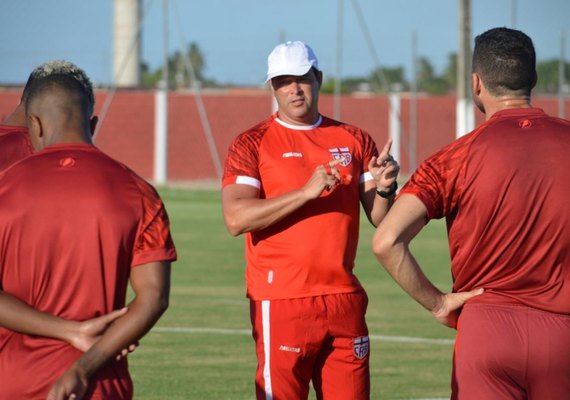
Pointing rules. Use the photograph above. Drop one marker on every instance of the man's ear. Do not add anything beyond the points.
(475, 84)
(93, 124)
(34, 125)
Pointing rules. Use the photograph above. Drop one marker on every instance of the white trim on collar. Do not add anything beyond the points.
(300, 127)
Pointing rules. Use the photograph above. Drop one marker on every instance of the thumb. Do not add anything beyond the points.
(113, 315)
(464, 296)
(456, 300)
(474, 292)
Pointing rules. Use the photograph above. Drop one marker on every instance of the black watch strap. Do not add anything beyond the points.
(390, 192)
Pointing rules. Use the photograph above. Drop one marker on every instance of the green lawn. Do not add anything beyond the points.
(201, 348)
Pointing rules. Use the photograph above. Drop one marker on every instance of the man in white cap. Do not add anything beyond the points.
(294, 184)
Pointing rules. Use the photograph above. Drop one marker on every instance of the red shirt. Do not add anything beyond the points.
(73, 224)
(310, 252)
(15, 144)
(504, 190)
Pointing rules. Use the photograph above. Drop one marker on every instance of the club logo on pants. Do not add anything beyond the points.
(361, 347)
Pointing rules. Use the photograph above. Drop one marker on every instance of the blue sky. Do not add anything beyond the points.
(236, 35)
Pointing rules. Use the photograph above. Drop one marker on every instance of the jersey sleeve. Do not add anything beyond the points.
(241, 164)
(438, 180)
(154, 241)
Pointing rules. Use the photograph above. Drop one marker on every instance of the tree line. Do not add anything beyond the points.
(378, 81)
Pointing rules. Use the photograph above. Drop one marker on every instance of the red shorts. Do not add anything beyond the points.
(321, 338)
(511, 352)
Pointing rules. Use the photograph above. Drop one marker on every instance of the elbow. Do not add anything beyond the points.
(383, 244)
(236, 225)
(159, 307)
(234, 228)
(163, 304)
(159, 302)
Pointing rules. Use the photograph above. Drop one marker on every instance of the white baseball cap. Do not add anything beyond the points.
(291, 58)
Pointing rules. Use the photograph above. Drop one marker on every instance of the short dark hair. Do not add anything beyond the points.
(505, 60)
(61, 68)
(76, 93)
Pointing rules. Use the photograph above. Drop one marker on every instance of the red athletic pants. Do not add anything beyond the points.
(511, 352)
(321, 338)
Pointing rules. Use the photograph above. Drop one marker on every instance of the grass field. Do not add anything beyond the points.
(202, 348)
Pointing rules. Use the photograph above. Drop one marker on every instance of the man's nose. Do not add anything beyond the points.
(295, 87)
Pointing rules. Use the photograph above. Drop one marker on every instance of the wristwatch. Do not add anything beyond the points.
(390, 192)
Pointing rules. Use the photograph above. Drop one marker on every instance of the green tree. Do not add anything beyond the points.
(197, 61)
(388, 78)
(428, 81)
(178, 75)
(450, 71)
(329, 85)
(149, 78)
(348, 85)
(548, 76)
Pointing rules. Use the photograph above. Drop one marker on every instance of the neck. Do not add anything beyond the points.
(310, 117)
(505, 103)
(77, 136)
(66, 134)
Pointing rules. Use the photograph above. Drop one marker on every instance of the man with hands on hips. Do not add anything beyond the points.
(503, 191)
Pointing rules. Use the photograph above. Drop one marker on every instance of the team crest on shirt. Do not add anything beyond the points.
(338, 153)
(361, 347)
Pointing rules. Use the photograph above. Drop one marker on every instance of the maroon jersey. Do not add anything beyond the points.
(15, 144)
(73, 222)
(504, 190)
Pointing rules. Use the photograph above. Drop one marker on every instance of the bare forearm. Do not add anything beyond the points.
(375, 206)
(445, 307)
(253, 214)
(404, 269)
(384, 171)
(144, 312)
(18, 316)
(391, 247)
(380, 208)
